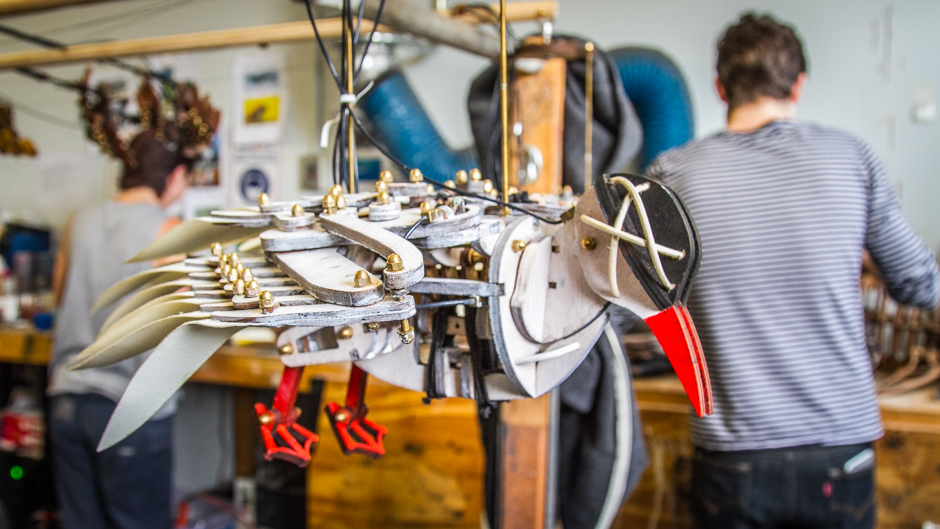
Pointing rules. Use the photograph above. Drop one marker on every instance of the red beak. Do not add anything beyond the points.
(675, 331)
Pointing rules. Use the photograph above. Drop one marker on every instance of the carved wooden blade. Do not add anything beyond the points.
(114, 347)
(114, 317)
(195, 235)
(151, 293)
(165, 371)
(151, 313)
(130, 284)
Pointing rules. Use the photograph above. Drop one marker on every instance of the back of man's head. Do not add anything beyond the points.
(155, 159)
(757, 57)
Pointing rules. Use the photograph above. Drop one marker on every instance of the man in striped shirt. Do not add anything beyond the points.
(784, 210)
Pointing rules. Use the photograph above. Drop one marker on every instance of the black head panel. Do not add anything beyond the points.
(671, 226)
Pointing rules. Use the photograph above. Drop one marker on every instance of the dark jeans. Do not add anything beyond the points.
(800, 487)
(125, 487)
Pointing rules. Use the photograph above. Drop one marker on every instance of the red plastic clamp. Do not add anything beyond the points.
(356, 434)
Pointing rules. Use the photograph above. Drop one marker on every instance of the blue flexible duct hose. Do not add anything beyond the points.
(652, 81)
(400, 121)
(660, 96)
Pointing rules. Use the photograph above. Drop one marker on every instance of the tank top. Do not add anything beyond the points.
(103, 238)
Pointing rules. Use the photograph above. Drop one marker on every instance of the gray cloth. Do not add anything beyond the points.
(103, 237)
(784, 213)
(588, 433)
(616, 137)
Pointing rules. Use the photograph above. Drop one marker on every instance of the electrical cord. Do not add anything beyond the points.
(414, 226)
(365, 51)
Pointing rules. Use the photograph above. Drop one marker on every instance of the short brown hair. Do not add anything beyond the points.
(155, 161)
(759, 56)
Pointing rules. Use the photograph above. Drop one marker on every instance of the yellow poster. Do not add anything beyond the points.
(262, 110)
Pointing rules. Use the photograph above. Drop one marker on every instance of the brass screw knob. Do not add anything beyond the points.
(232, 275)
(224, 270)
(381, 186)
(234, 259)
(267, 302)
(406, 332)
(362, 279)
(239, 268)
(266, 418)
(223, 260)
(475, 174)
(588, 243)
(518, 245)
(264, 199)
(297, 211)
(372, 326)
(345, 333)
(383, 198)
(336, 190)
(248, 276)
(329, 204)
(450, 184)
(426, 207)
(386, 176)
(252, 289)
(216, 249)
(416, 176)
(461, 177)
(430, 189)
(474, 256)
(394, 263)
(286, 349)
(487, 186)
(238, 287)
(513, 190)
(341, 202)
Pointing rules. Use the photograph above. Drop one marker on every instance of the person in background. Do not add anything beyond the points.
(128, 485)
(785, 210)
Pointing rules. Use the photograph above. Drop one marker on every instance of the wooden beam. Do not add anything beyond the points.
(284, 33)
(21, 7)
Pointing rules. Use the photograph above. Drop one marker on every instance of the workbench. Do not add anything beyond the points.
(432, 475)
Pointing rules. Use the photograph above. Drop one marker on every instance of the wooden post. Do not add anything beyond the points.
(540, 106)
(526, 480)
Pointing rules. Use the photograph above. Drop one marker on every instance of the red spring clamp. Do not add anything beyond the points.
(283, 437)
(356, 434)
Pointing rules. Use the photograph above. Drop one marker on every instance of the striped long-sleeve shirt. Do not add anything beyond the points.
(784, 213)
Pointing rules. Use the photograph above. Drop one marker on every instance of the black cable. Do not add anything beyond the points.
(378, 145)
(414, 226)
(358, 26)
(48, 43)
(57, 81)
(365, 51)
(329, 61)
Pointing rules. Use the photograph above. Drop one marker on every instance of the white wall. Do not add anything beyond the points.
(867, 60)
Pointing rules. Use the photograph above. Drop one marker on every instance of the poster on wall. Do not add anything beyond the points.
(260, 98)
(253, 168)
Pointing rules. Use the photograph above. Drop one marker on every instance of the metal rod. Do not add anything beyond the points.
(588, 114)
(504, 101)
(350, 73)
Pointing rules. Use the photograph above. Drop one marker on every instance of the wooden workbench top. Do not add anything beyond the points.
(917, 411)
